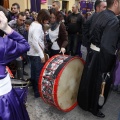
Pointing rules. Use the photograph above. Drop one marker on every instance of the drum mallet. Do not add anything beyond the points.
(101, 97)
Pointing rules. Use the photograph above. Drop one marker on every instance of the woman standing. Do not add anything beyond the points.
(57, 33)
(36, 40)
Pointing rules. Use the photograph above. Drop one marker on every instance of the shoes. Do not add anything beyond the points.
(100, 114)
(36, 95)
(24, 73)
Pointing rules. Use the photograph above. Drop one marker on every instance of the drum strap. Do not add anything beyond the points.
(62, 65)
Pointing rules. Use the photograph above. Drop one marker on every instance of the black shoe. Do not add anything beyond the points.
(100, 114)
(24, 73)
(36, 95)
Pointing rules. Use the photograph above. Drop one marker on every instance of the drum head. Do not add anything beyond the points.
(69, 84)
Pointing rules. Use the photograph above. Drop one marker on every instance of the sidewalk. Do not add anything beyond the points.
(38, 110)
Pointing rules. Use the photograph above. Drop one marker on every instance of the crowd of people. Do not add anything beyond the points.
(30, 34)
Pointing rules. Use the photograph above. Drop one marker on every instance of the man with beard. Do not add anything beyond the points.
(100, 59)
(74, 27)
(99, 7)
(19, 23)
(15, 9)
(19, 26)
(56, 5)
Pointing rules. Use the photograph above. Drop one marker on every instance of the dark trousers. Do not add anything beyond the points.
(74, 44)
(36, 67)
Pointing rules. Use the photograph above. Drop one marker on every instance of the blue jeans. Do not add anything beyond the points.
(74, 44)
(36, 67)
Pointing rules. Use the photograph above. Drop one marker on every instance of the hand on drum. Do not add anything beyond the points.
(43, 60)
(62, 50)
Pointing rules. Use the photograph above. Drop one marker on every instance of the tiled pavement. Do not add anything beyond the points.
(38, 110)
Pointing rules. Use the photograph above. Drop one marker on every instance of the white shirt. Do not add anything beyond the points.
(53, 35)
(35, 40)
(5, 85)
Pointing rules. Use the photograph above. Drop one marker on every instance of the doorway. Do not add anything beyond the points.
(4, 3)
(65, 6)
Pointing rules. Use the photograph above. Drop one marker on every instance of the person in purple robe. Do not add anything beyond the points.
(12, 45)
(116, 76)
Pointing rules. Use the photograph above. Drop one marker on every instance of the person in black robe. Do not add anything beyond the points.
(100, 58)
(99, 7)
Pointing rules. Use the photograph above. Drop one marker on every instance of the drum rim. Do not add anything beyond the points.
(56, 83)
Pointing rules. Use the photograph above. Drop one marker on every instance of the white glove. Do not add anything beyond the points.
(3, 23)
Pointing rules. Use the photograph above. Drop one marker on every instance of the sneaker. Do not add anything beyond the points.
(36, 95)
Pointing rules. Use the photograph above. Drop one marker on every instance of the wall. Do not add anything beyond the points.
(44, 6)
(22, 3)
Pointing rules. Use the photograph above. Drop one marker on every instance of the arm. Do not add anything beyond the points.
(109, 39)
(13, 44)
(63, 37)
(38, 41)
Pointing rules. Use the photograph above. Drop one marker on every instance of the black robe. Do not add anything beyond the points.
(87, 29)
(104, 34)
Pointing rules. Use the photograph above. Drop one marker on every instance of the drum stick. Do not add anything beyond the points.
(101, 97)
(9, 72)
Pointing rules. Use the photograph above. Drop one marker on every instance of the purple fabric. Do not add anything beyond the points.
(83, 4)
(22, 93)
(11, 47)
(13, 17)
(117, 73)
(11, 107)
(86, 6)
(38, 2)
(2, 71)
(35, 5)
(90, 5)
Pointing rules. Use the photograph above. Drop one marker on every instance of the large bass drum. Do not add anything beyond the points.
(59, 81)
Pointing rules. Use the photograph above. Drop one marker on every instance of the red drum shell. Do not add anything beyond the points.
(56, 85)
